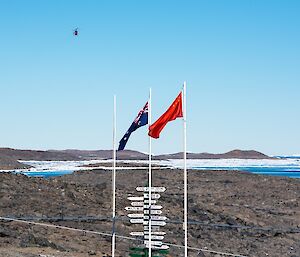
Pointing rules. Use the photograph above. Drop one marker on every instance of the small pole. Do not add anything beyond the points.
(185, 174)
(113, 243)
(150, 169)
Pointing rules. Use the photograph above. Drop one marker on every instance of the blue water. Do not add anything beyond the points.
(46, 174)
(291, 172)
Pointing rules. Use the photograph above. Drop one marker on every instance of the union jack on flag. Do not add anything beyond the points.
(139, 121)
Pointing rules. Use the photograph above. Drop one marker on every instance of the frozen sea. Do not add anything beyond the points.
(288, 167)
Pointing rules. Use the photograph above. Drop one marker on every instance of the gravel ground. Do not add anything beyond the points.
(234, 212)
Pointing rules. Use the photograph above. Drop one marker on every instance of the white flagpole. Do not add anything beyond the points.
(185, 175)
(150, 171)
(113, 243)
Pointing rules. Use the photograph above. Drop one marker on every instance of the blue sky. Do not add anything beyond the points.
(241, 61)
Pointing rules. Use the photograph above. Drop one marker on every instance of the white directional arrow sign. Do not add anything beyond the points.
(137, 233)
(136, 215)
(135, 198)
(156, 217)
(145, 222)
(130, 208)
(157, 243)
(154, 207)
(137, 203)
(153, 212)
(154, 237)
(155, 223)
(153, 189)
(162, 247)
(147, 201)
(153, 196)
(137, 221)
(160, 233)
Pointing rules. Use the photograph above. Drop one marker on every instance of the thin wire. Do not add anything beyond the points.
(191, 222)
(119, 236)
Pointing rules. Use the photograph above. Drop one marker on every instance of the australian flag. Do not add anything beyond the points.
(140, 120)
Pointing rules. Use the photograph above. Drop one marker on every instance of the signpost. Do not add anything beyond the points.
(147, 212)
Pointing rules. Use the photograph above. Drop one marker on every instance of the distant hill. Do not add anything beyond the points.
(9, 157)
(235, 154)
(135, 155)
(68, 155)
(107, 154)
(28, 155)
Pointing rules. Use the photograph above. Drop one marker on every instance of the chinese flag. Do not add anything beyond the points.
(174, 112)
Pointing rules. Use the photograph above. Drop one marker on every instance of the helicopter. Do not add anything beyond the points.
(75, 32)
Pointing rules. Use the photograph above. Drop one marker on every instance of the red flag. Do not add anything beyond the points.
(174, 112)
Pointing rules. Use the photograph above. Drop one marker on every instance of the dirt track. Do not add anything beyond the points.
(260, 215)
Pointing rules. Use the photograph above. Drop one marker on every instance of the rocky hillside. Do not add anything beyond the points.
(230, 211)
(7, 163)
